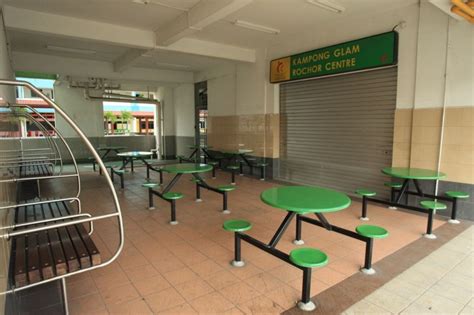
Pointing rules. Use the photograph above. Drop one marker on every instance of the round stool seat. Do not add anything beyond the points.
(263, 164)
(150, 185)
(308, 257)
(365, 192)
(457, 194)
(226, 188)
(173, 195)
(237, 225)
(195, 180)
(213, 163)
(372, 231)
(393, 185)
(233, 167)
(433, 205)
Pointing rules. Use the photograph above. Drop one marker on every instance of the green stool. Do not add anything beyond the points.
(455, 195)
(118, 172)
(307, 258)
(393, 189)
(237, 226)
(150, 187)
(214, 165)
(365, 193)
(181, 158)
(262, 166)
(224, 189)
(171, 197)
(233, 169)
(431, 206)
(370, 232)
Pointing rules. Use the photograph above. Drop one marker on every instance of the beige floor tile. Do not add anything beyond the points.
(364, 307)
(260, 305)
(133, 307)
(183, 309)
(180, 276)
(142, 272)
(206, 269)
(264, 282)
(212, 303)
(222, 279)
(453, 292)
(432, 303)
(164, 300)
(119, 294)
(246, 271)
(239, 292)
(151, 285)
(285, 296)
(81, 287)
(86, 304)
(387, 300)
(193, 289)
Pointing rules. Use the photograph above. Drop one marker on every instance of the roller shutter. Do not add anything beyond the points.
(337, 132)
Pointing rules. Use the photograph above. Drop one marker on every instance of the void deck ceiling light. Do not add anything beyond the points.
(328, 5)
(71, 50)
(256, 27)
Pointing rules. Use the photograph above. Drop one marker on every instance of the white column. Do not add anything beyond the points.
(6, 70)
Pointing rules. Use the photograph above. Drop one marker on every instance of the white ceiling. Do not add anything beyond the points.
(121, 12)
(291, 17)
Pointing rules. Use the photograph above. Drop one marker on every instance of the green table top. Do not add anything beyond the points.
(304, 199)
(200, 147)
(187, 168)
(110, 148)
(135, 154)
(413, 173)
(239, 151)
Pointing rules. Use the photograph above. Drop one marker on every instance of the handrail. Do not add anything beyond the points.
(51, 143)
(45, 132)
(99, 161)
(25, 179)
(58, 133)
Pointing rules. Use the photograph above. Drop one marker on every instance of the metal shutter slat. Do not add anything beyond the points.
(338, 132)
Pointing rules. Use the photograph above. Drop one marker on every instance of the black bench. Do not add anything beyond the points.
(35, 169)
(46, 254)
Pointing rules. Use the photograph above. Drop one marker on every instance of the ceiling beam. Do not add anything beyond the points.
(201, 15)
(128, 59)
(57, 25)
(25, 61)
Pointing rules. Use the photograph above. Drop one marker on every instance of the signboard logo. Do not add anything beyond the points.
(280, 69)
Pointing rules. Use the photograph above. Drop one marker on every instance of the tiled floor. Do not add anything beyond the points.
(441, 283)
(184, 269)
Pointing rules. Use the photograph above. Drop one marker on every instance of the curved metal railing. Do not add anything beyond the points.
(74, 219)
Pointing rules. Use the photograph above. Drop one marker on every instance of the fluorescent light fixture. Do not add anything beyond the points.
(71, 50)
(145, 2)
(172, 65)
(328, 5)
(256, 27)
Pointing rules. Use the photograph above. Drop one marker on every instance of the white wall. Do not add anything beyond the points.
(431, 63)
(88, 114)
(184, 109)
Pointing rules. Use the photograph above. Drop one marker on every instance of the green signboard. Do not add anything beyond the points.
(366, 53)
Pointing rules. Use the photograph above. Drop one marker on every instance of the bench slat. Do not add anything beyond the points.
(33, 266)
(46, 258)
(70, 253)
(55, 244)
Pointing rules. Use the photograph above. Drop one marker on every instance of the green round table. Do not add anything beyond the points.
(305, 199)
(414, 175)
(128, 157)
(187, 168)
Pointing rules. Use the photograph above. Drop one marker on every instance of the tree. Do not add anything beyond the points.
(110, 117)
(126, 117)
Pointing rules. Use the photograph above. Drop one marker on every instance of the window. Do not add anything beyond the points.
(34, 125)
(122, 118)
